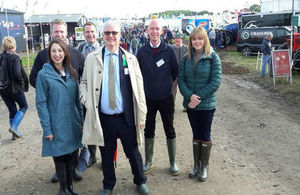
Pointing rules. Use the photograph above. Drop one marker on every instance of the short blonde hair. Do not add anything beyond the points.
(199, 32)
(9, 43)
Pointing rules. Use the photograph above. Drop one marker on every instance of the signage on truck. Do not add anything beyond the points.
(255, 34)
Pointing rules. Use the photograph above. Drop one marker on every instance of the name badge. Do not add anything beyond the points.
(126, 72)
(160, 63)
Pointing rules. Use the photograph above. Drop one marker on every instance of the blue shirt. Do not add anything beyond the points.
(105, 91)
(87, 48)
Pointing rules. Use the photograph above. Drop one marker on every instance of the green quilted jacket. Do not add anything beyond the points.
(204, 81)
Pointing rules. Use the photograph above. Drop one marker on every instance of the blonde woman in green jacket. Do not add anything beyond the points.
(199, 79)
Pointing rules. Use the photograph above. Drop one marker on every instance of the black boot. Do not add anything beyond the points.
(70, 170)
(92, 150)
(196, 151)
(62, 177)
(204, 157)
(76, 175)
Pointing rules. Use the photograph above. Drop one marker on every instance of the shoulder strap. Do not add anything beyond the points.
(80, 48)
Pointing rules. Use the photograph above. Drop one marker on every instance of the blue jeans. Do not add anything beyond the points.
(11, 99)
(134, 50)
(266, 59)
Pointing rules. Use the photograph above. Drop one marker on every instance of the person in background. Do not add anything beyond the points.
(199, 79)
(113, 94)
(134, 45)
(58, 30)
(159, 68)
(212, 37)
(90, 45)
(90, 34)
(12, 92)
(180, 51)
(60, 113)
(266, 49)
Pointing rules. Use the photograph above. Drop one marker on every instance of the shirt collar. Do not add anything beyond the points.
(107, 52)
(152, 46)
(88, 45)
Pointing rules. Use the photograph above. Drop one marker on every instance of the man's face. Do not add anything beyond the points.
(154, 31)
(111, 36)
(59, 32)
(178, 41)
(90, 34)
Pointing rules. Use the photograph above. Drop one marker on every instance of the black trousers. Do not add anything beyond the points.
(166, 109)
(201, 121)
(116, 127)
(11, 99)
(64, 166)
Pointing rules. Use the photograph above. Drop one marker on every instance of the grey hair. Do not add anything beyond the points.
(270, 35)
(158, 23)
(113, 24)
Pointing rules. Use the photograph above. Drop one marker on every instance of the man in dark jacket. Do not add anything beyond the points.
(159, 68)
(58, 30)
(266, 50)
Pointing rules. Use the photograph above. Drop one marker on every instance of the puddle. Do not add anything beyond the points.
(246, 84)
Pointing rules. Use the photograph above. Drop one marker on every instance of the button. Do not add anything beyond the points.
(96, 106)
(97, 89)
(99, 71)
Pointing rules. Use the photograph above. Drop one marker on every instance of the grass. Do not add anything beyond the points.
(23, 57)
(282, 87)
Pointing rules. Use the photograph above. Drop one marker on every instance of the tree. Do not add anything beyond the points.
(255, 8)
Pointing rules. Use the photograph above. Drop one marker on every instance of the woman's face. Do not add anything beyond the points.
(57, 54)
(197, 43)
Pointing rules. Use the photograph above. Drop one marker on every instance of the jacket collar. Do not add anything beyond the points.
(48, 68)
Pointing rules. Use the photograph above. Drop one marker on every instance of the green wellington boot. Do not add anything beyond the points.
(204, 158)
(196, 151)
(171, 143)
(149, 144)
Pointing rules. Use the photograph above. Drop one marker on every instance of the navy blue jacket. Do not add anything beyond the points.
(266, 47)
(77, 61)
(158, 80)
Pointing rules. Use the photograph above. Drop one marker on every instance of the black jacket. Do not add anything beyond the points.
(77, 61)
(266, 47)
(158, 80)
(17, 75)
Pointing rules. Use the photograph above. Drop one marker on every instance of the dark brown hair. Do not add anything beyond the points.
(67, 59)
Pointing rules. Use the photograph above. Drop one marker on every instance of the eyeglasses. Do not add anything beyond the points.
(107, 33)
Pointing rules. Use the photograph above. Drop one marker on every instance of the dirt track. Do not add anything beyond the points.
(256, 151)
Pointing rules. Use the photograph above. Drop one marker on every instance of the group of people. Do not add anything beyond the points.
(217, 38)
(94, 95)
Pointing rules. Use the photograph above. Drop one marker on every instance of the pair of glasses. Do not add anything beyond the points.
(107, 33)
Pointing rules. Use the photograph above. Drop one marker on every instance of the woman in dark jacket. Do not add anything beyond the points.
(18, 84)
(199, 79)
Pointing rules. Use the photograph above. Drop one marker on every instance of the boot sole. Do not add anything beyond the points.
(148, 171)
(13, 132)
(177, 173)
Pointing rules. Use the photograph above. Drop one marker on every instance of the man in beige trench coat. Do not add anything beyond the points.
(113, 94)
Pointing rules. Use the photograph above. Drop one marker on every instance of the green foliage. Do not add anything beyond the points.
(170, 13)
(255, 8)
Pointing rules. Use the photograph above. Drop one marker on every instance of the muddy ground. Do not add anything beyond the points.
(256, 150)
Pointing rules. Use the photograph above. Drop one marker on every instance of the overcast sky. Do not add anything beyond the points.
(122, 8)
